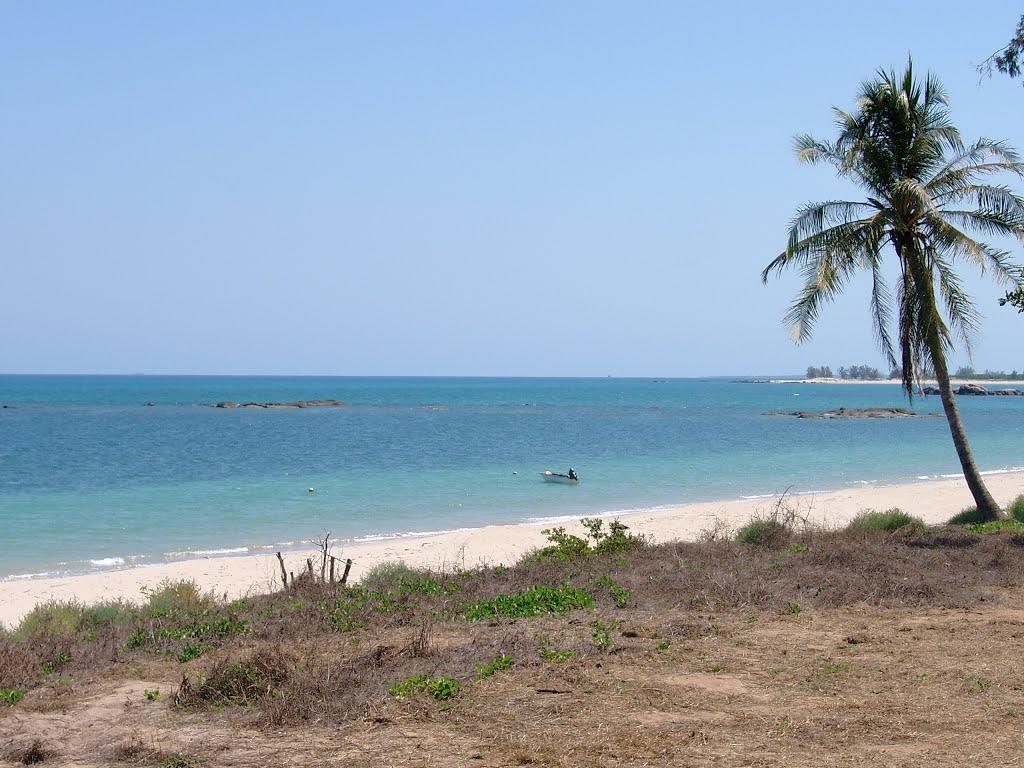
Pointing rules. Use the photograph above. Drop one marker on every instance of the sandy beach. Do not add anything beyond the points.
(932, 500)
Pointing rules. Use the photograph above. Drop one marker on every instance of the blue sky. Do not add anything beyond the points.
(442, 188)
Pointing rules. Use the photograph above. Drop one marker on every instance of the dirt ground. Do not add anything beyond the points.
(856, 685)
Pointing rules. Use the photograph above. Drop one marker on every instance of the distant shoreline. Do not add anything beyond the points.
(956, 382)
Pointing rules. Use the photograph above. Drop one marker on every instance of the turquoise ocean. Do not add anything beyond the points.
(92, 477)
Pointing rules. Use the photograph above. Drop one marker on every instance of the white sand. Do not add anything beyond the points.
(932, 500)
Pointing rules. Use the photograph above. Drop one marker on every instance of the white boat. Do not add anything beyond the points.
(558, 477)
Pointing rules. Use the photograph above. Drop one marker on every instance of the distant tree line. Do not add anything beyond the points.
(857, 372)
(966, 372)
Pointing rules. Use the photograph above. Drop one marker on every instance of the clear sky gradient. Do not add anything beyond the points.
(519, 188)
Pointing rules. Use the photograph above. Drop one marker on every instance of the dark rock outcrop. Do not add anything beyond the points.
(972, 389)
(854, 413)
(976, 390)
(293, 404)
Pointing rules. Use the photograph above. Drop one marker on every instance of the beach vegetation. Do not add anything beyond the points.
(530, 602)
(287, 667)
(1016, 509)
(557, 655)
(191, 651)
(173, 598)
(968, 516)
(137, 752)
(36, 753)
(499, 663)
(996, 526)
(241, 682)
(387, 575)
(599, 540)
(57, 619)
(11, 696)
(763, 532)
(890, 520)
(602, 634)
(56, 662)
(620, 595)
(927, 194)
(440, 688)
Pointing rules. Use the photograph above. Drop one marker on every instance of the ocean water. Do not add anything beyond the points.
(91, 477)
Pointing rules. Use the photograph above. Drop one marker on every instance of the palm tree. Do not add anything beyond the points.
(925, 191)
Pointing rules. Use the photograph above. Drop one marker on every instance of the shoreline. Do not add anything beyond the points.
(934, 500)
(954, 381)
(110, 564)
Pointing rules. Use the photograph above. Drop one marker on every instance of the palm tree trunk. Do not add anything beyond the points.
(921, 275)
(987, 507)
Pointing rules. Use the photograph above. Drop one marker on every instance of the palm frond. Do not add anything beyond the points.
(947, 239)
(963, 315)
(881, 310)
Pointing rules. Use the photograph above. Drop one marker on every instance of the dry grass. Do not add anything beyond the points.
(868, 647)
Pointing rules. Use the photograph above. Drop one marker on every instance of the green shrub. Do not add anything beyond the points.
(191, 651)
(1016, 509)
(549, 653)
(109, 613)
(888, 521)
(61, 659)
(497, 664)
(424, 585)
(967, 517)
(341, 615)
(388, 575)
(996, 526)
(237, 682)
(56, 619)
(602, 634)
(178, 597)
(11, 696)
(533, 601)
(620, 595)
(763, 533)
(567, 546)
(563, 546)
(440, 688)
(616, 539)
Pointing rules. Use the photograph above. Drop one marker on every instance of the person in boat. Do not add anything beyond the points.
(572, 474)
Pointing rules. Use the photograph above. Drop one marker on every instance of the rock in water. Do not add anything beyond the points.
(855, 413)
(294, 404)
(972, 389)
